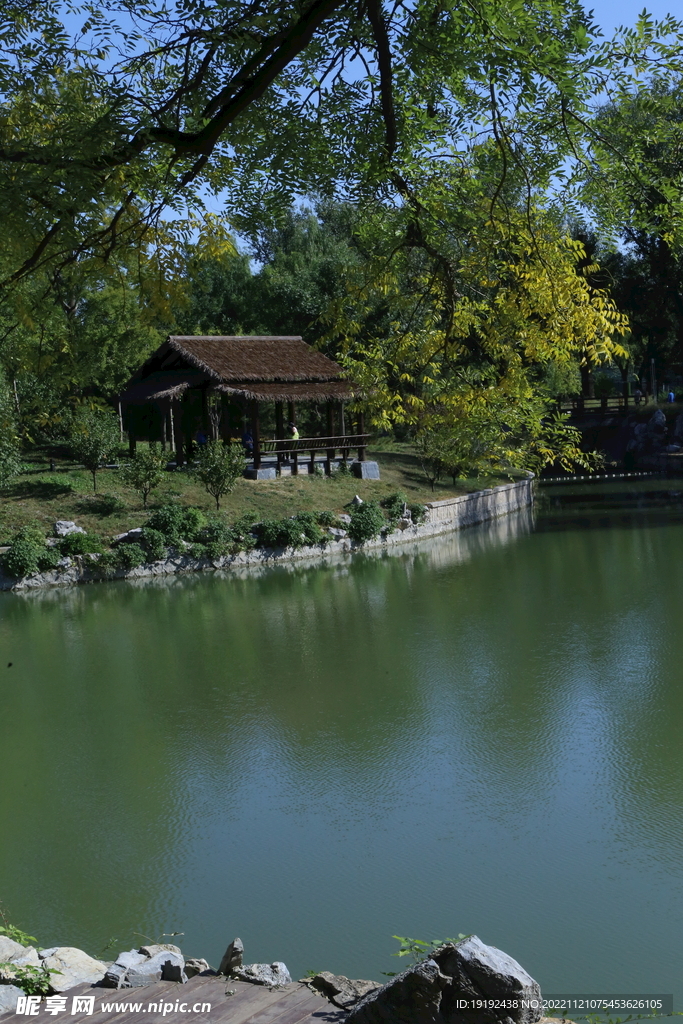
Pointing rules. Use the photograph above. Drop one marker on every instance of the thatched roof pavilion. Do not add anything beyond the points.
(183, 391)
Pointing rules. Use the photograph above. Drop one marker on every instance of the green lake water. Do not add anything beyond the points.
(482, 734)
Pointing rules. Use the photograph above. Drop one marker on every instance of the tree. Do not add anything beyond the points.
(104, 129)
(220, 466)
(459, 344)
(94, 438)
(145, 470)
(10, 454)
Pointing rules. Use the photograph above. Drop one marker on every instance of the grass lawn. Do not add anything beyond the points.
(39, 496)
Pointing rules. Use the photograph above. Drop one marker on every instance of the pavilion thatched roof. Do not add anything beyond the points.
(260, 368)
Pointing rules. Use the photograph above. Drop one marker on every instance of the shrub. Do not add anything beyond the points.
(291, 532)
(418, 512)
(28, 554)
(153, 543)
(326, 518)
(216, 538)
(367, 521)
(219, 468)
(198, 551)
(105, 505)
(81, 544)
(393, 505)
(309, 526)
(130, 556)
(175, 522)
(241, 532)
(145, 470)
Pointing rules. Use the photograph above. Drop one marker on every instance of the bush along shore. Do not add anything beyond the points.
(448, 982)
(178, 538)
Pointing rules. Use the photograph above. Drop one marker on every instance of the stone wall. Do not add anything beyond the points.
(442, 517)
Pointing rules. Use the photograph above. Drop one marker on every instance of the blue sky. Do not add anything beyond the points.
(609, 14)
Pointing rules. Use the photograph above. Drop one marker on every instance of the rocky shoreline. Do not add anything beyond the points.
(442, 517)
(465, 982)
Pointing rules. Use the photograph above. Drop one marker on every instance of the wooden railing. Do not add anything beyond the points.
(289, 449)
(615, 403)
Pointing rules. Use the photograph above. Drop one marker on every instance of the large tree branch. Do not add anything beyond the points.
(381, 36)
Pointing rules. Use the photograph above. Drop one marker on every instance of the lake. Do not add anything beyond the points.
(482, 734)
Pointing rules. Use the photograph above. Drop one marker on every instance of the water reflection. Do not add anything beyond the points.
(479, 733)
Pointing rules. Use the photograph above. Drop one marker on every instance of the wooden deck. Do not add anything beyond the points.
(232, 1002)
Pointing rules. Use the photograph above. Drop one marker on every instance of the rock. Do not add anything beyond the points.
(335, 532)
(356, 500)
(128, 537)
(404, 523)
(429, 992)
(27, 958)
(158, 947)
(9, 994)
(233, 957)
(9, 948)
(273, 975)
(657, 422)
(115, 977)
(75, 967)
(63, 527)
(340, 990)
(365, 470)
(344, 518)
(671, 449)
(168, 965)
(195, 966)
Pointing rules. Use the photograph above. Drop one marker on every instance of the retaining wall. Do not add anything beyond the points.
(442, 517)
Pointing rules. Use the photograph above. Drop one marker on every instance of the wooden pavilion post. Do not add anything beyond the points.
(330, 433)
(342, 422)
(361, 430)
(291, 412)
(279, 433)
(256, 433)
(171, 424)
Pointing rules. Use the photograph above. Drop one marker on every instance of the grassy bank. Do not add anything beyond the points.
(40, 496)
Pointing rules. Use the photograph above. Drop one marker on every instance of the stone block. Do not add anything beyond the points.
(342, 991)
(75, 968)
(195, 966)
(365, 470)
(273, 975)
(233, 957)
(9, 995)
(63, 527)
(265, 473)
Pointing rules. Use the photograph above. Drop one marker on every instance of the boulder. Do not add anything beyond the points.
(166, 965)
(75, 967)
(195, 966)
(336, 533)
(9, 994)
(341, 991)
(128, 537)
(9, 948)
(159, 947)
(63, 527)
(26, 957)
(344, 517)
(232, 958)
(273, 975)
(441, 990)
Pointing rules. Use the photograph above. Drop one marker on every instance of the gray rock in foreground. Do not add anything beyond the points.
(232, 958)
(9, 948)
(273, 975)
(196, 965)
(342, 991)
(137, 968)
(435, 991)
(9, 995)
(74, 966)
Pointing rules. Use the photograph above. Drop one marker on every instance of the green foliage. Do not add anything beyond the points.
(177, 523)
(293, 532)
(216, 538)
(241, 532)
(393, 506)
(153, 544)
(145, 471)
(28, 554)
(418, 512)
(420, 950)
(219, 468)
(94, 439)
(16, 934)
(105, 505)
(130, 556)
(81, 544)
(10, 455)
(35, 981)
(327, 518)
(367, 521)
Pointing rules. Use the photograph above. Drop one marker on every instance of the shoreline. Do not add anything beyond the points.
(446, 516)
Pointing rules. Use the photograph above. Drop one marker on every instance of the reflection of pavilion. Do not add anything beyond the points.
(216, 387)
